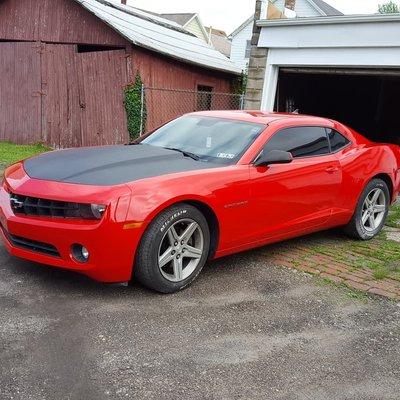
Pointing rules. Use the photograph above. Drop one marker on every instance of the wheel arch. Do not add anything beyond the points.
(208, 212)
(388, 180)
(212, 221)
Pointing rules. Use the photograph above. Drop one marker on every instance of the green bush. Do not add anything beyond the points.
(389, 8)
(136, 115)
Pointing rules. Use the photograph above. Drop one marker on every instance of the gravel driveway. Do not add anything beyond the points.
(244, 330)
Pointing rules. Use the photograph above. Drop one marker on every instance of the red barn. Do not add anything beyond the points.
(64, 65)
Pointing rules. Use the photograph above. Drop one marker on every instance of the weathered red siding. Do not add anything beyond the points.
(61, 125)
(20, 99)
(102, 78)
(161, 72)
(57, 21)
(50, 92)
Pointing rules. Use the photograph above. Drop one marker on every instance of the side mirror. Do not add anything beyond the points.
(274, 157)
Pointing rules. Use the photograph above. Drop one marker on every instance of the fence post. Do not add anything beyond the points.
(242, 101)
(142, 109)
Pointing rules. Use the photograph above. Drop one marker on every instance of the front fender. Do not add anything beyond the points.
(216, 189)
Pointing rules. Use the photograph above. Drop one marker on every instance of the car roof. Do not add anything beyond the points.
(259, 117)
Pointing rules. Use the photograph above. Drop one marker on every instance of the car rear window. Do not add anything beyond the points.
(337, 140)
(301, 141)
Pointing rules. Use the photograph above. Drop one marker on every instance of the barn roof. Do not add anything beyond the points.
(158, 34)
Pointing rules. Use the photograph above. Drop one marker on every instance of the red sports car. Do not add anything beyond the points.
(203, 186)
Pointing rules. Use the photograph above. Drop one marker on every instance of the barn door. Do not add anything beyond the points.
(61, 121)
(102, 78)
(20, 92)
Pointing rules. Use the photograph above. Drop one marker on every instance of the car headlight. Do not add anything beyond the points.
(89, 211)
(98, 210)
(84, 211)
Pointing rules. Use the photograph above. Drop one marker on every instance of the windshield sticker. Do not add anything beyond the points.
(209, 142)
(226, 155)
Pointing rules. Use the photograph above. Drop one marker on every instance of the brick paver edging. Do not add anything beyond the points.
(303, 259)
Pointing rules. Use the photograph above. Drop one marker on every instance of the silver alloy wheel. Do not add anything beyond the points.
(373, 210)
(180, 250)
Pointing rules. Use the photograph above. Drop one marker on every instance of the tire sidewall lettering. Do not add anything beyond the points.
(171, 219)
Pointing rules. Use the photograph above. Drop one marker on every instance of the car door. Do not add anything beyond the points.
(299, 195)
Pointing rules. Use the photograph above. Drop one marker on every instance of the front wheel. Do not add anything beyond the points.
(371, 211)
(173, 249)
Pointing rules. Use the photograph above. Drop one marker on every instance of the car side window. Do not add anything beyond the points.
(337, 140)
(301, 141)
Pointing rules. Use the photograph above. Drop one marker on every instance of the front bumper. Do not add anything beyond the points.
(112, 248)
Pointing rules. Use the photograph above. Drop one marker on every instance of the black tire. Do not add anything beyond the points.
(355, 227)
(146, 269)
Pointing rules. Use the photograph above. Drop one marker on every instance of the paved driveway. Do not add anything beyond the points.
(245, 330)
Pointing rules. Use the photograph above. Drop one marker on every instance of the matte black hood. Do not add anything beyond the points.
(109, 165)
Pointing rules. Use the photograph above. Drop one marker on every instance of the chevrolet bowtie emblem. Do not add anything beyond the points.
(15, 203)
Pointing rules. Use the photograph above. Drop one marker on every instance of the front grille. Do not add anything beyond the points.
(32, 245)
(48, 208)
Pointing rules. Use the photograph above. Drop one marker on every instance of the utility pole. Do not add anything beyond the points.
(258, 62)
(258, 57)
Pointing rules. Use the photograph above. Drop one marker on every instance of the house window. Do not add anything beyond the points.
(204, 97)
(248, 49)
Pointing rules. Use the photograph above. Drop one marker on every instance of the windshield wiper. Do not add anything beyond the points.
(185, 153)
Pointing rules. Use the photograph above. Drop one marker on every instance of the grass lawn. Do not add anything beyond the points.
(11, 153)
(393, 219)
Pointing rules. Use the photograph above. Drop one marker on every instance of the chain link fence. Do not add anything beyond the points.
(156, 106)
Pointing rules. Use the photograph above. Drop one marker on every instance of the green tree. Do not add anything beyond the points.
(389, 8)
(135, 111)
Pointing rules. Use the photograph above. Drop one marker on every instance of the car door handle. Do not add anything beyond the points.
(332, 170)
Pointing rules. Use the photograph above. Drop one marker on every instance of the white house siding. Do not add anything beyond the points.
(239, 41)
(332, 42)
(194, 27)
(239, 44)
(302, 8)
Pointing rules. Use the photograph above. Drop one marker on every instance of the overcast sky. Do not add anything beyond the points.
(228, 14)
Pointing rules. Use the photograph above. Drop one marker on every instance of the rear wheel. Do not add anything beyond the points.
(173, 250)
(371, 211)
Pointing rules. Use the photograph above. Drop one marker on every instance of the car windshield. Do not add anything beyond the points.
(211, 139)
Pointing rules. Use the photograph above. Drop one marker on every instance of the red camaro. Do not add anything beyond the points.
(202, 186)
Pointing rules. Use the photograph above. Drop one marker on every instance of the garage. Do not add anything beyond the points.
(366, 100)
(346, 68)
